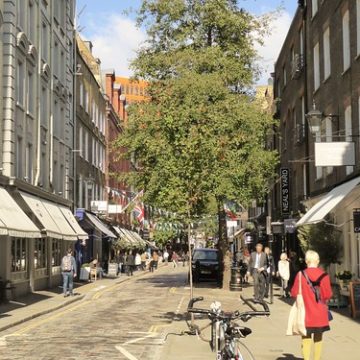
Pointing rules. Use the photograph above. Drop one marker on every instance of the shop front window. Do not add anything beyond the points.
(40, 254)
(56, 253)
(18, 255)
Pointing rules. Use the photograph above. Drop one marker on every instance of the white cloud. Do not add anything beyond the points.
(115, 42)
(272, 44)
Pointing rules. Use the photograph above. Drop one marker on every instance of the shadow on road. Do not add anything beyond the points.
(288, 357)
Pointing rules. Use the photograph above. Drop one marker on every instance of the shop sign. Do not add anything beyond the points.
(356, 217)
(290, 226)
(285, 190)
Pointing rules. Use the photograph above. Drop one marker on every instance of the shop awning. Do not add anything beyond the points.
(36, 205)
(13, 220)
(328, 203)
(139, 238)
(128, 236)
(100, 226)
(81, 234)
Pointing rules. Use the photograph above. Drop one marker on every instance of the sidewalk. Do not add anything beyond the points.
(268, 340)
(43, 302)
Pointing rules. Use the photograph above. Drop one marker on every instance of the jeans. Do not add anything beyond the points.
(68, 282)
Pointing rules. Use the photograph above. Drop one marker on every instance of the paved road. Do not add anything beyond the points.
(122, 322)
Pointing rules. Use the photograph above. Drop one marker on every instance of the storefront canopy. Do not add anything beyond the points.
(50, 216)
(100, 226)
(328, 203)
(81, 234)
(13, 220)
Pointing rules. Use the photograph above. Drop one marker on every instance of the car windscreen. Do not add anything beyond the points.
(205, 255)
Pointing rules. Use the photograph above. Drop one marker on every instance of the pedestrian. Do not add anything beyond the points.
(130, 263)
(121, 262)
(257, 269)
(284, 273)
(294, 267)
(246, 261)
(270, 270)
(186, 258)
(154, 261)
(316, 292)
(68, 268)
(175, 259)
(143, 258)
(166, 257)
(137, 261)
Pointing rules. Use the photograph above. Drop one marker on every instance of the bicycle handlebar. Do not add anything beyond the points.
(244, 316)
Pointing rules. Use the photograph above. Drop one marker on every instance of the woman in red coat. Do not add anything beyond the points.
(316, 310)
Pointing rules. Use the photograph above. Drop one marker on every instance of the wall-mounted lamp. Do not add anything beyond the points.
(315, 117)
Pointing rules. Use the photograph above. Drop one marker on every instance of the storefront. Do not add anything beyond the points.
(100, 238)
(340, 203)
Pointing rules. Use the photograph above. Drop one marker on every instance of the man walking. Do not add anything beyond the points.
(130, 263)
(257, 267)
(68, 268)
(270, 270)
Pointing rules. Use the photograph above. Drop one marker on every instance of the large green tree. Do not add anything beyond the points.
(200, 137)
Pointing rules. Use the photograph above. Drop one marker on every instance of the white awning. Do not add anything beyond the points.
(81, 234)
(37, 207)
(327, 203)
(13, 220)
(100, 226)
(67, 231)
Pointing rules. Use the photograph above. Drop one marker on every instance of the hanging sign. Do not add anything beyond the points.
(285, 190)
(356, 217)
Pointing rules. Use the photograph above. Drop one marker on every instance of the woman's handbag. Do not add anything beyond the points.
(296, 321)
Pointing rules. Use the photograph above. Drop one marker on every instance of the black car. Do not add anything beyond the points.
(205, 265)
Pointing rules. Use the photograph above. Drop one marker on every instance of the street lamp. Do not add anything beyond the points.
(315, 117)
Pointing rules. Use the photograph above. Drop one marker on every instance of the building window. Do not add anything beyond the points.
(29, 163)
(62, 67)
(44, 170)
(316, 66)
(346, 40)
(20, 83)
(358, 25)
(80, 137)
(19, 157)
(31, 94)
(348, 133)
(44, 42)
(303, 111)
(19, 259)
(86, 144)
(329, 138)
(40, 254)
(301, 38)
(31, 22)
(44, 107)
(56, 59)
(56, 252)
(284, 75)
(86, 104)
(80, 192)
(314, 7)
(81, 95)
(305, 181)
(20, 14)
(327, 55)
(319, 169)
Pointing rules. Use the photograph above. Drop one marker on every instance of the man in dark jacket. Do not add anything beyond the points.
(257, 267)
(130, 263)
(270, 269)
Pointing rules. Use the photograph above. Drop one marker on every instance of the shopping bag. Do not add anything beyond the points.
(296, 321)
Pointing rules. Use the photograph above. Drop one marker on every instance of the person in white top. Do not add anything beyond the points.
(284, 273)
(137, 261)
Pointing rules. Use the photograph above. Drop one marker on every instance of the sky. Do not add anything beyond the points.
(110, 25)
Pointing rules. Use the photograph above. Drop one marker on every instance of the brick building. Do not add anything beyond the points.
(319, 65)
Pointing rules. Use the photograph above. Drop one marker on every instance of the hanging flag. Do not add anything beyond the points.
(139, 212)
(229, 213)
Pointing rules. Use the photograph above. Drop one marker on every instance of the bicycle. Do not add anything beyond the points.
(225, 333)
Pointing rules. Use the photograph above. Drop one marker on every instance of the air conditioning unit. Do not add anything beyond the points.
(297, 66)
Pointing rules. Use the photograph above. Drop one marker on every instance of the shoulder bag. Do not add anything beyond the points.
(296, 321)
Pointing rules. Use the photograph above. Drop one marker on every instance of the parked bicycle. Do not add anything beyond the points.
(225, 332)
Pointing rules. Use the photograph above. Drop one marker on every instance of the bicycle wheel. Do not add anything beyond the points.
(242, 352)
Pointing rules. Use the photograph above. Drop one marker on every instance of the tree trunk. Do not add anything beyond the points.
(223, 246)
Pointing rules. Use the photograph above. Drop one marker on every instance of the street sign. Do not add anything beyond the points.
(285, 190)
(290, 226)
(356, 217)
